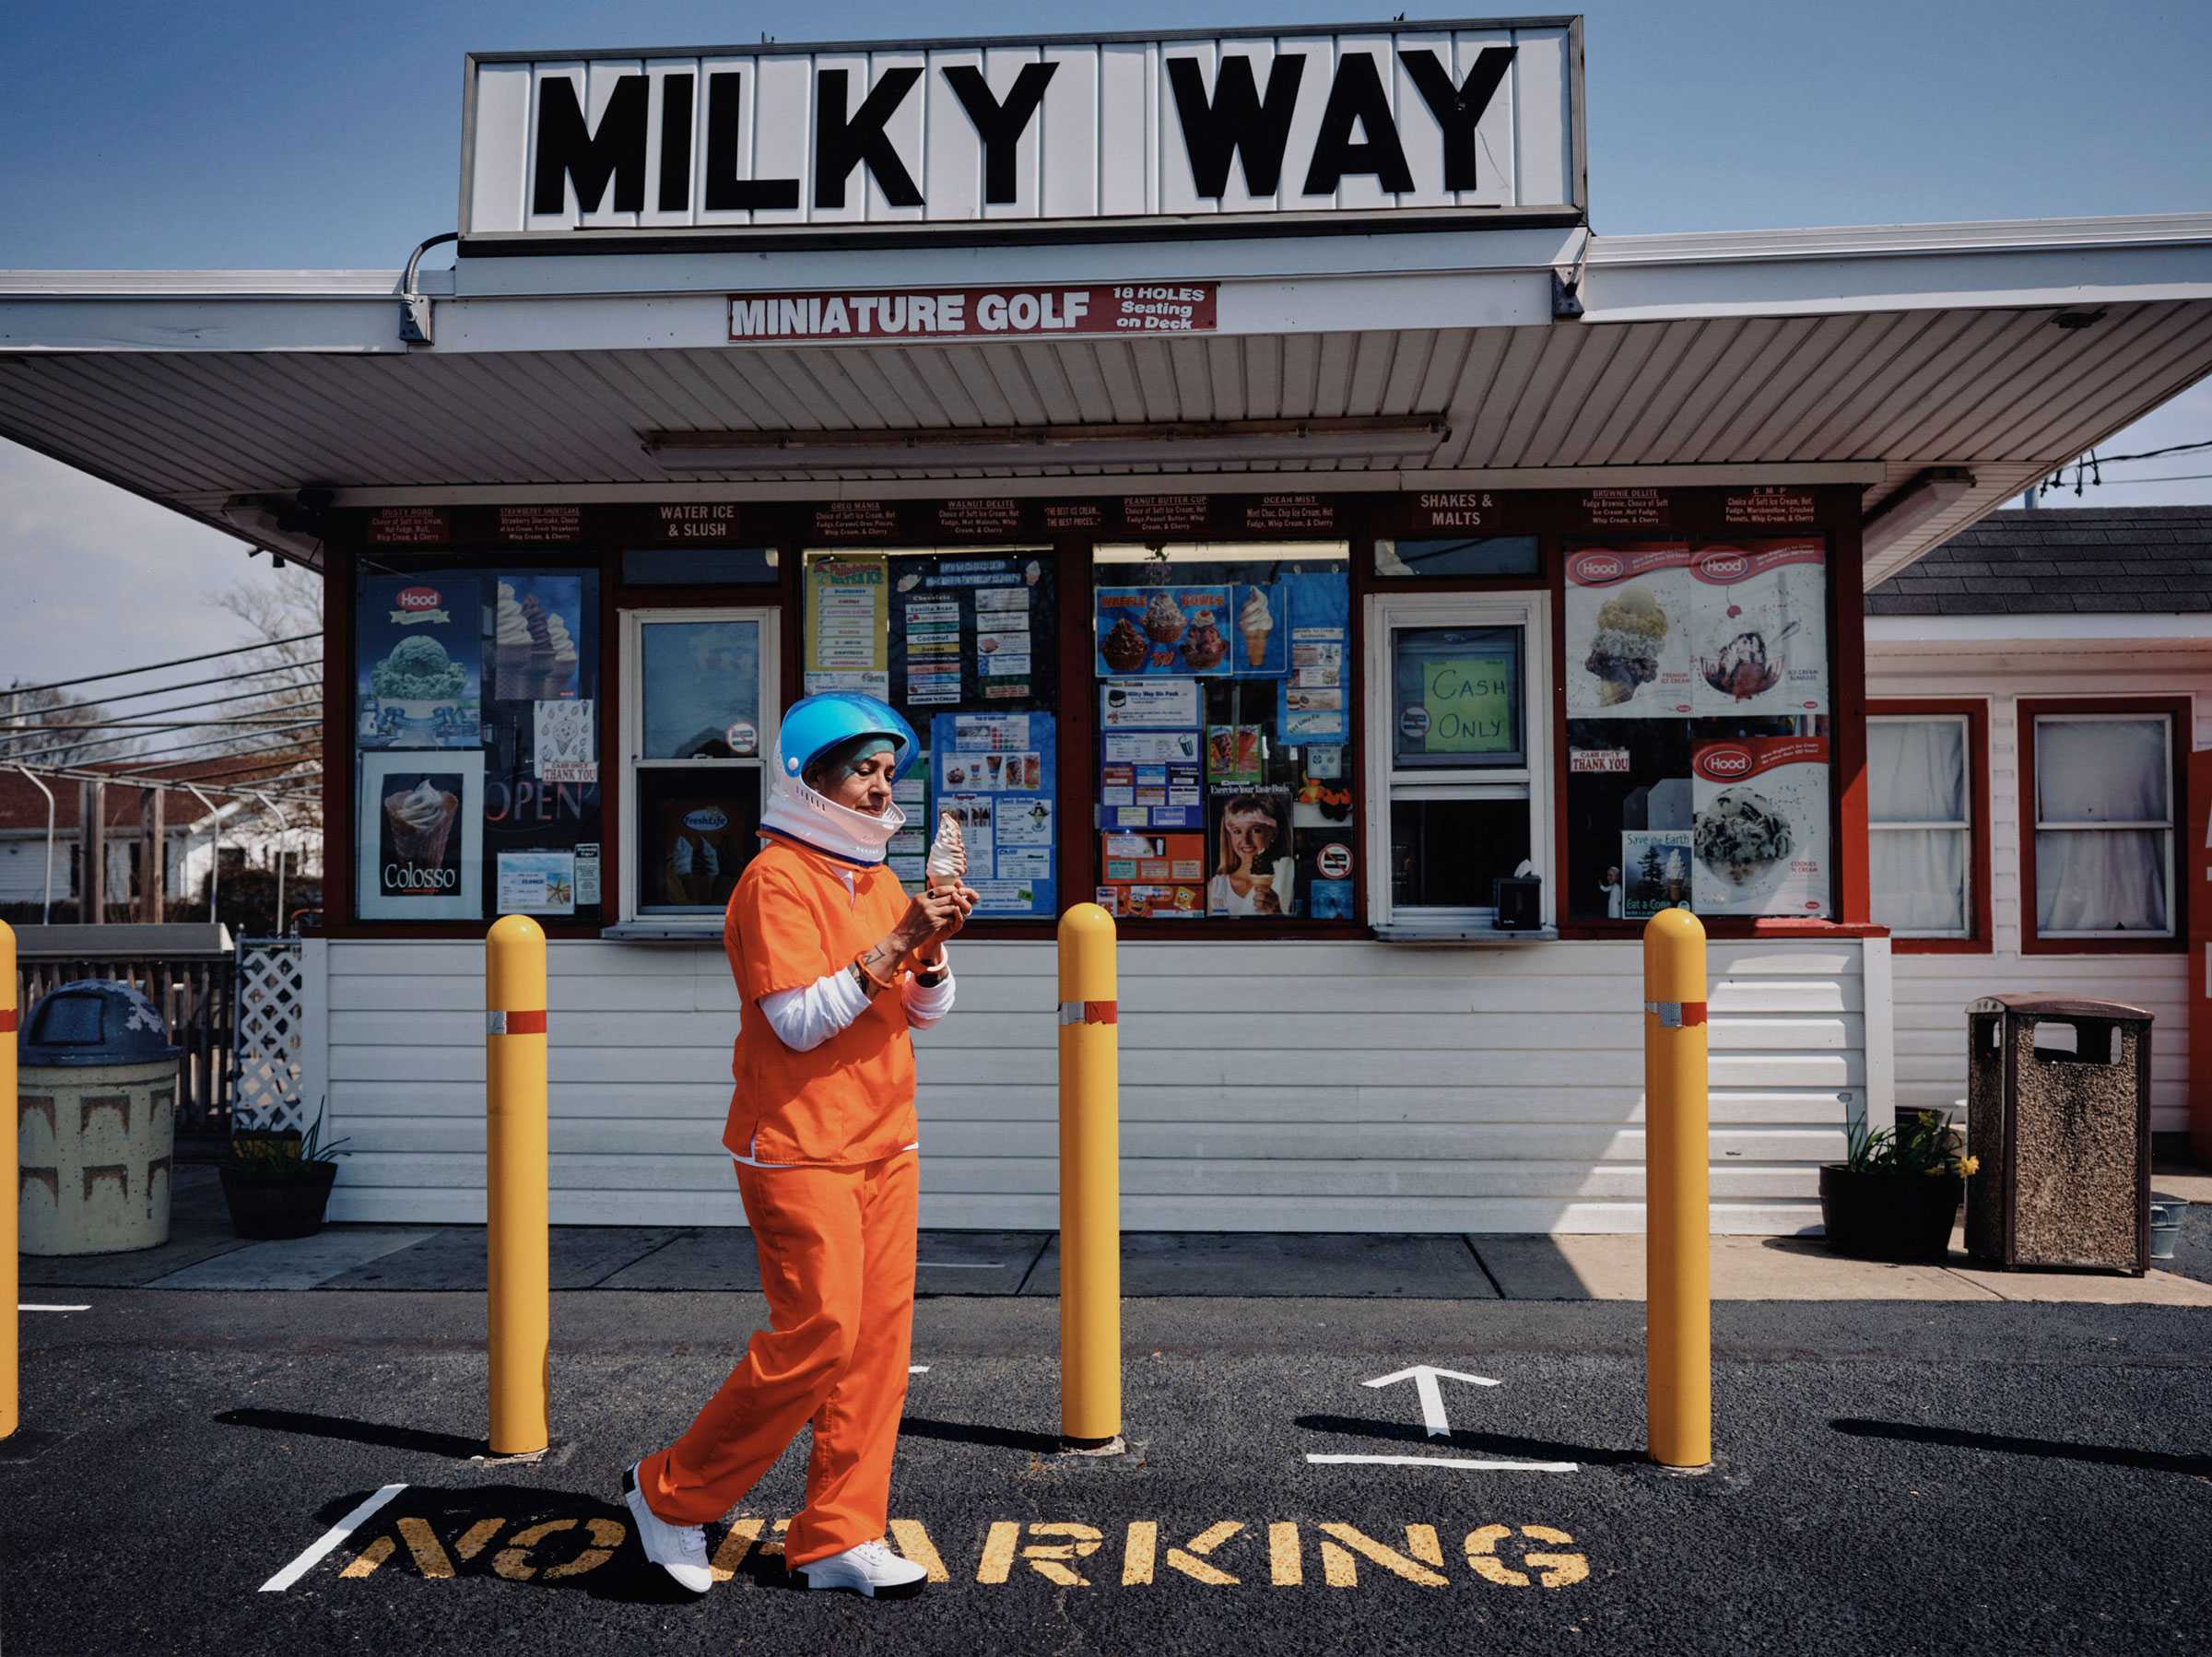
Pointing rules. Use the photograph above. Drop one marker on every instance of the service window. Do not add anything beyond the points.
(1920, 815)
(476, 741)
(1698, 769)
(1225, 757)
(965, 644)
(698, 712)
(1458, 725)
(2105, 813)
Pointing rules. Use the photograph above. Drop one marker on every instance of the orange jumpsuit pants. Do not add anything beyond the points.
(836, 1246)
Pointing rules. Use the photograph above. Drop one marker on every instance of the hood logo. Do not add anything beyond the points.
(418, 598)
(1599, 566)
(1725, 565)
(1725, 762)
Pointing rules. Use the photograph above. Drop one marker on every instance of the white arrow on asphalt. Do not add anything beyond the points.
(1425, 1377)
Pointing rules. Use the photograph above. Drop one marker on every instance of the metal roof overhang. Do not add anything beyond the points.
(1865, 355)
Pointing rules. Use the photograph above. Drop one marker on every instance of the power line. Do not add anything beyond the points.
(125, 673)
(2122, 483)
(309, 696)
(79, 748)
(133, 724)
(226, 678)
(2153, 453)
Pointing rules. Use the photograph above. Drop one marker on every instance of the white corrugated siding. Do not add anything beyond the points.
(1264, 1087)
(1931, 991)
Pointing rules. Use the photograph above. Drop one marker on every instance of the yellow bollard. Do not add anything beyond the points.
(517, 1241)
(1091, 1183)
(1678, 1282)
(10, 1178)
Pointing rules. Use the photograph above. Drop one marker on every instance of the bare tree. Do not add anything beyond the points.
(282, 607)
(58, 729)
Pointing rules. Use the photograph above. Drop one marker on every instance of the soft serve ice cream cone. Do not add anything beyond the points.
(1256, 620)
(947, 855)
(420, 820)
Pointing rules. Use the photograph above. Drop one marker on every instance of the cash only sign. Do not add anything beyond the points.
(1406, 126)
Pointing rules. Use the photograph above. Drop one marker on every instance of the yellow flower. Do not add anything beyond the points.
(1969, 1165)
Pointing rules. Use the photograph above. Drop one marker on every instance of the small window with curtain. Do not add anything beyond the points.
(1921, 823)
(2100, 785)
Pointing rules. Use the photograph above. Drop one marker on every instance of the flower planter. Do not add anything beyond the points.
(1881, 1215)
(262, 1207)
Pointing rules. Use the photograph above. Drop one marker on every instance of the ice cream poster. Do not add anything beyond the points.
(1653, 872)
(419, 837)
(418, 643)
(1628, 626)
(1760, 842)
(1316, 607)
(536, 621)
(1760, 614)
(1151, 779)
(995, 775)
(1168, 630)
(1262, 639)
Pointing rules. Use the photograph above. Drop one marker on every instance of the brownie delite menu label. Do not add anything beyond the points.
(1628, 627)
(1760, 843)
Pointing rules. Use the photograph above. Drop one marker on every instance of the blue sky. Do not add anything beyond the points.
(329, 134)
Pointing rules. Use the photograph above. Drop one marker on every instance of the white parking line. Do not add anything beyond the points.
(958, 1265)
(1428, 1461)
(917, 1368)
(21, 1306)
(330, 1538)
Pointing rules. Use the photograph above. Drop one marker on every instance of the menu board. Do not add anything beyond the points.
(1151, 779)
(1760, 842)
(847, 632)
(1314, 609)
(418, 654)
(970, 631)
(995, 773)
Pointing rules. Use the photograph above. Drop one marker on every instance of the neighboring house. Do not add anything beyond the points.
(2064, 658)
(241, 832)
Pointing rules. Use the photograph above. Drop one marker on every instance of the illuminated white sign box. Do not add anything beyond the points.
(1477, 122)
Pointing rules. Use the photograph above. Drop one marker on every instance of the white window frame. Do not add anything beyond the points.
(1388, 614)
(2032, 901)
(1965, 825)
(634, 623)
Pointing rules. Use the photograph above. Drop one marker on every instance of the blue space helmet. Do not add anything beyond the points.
(815, 724)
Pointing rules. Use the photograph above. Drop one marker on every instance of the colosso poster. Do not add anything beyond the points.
(1628, 626)
(1761, 619)
(420, 854)
(1761, 841)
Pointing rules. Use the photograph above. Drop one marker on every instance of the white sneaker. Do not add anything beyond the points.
(871, 1569)
(678, 1549)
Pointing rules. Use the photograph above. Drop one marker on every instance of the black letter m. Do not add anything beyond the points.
(566, 148)
(1238, 123)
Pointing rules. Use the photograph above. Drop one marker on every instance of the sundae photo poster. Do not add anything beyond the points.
(419, 837)
(1179, 630)
(1761, 620)
(1628, 619)
(536, 622)
(1761, 841)
(418, 640)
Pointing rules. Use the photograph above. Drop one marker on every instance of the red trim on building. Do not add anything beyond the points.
(1975, 712)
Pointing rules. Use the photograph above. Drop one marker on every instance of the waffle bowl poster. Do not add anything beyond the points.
(419, 850)
(1178, 630)
(1628, 626)
(1760, 844)
(419, 642)
(1759, 615)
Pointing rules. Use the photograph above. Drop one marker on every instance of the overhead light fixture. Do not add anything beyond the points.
(1038, 447)
(2074, 321)
(1928, 496)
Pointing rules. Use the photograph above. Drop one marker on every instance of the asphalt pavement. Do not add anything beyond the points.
(1890, 1477)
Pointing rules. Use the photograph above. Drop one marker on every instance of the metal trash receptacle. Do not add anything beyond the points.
(97, 1120)
(2062, 1136)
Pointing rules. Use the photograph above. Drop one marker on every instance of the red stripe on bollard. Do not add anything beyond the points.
(1693, 1012)
(1102, 1012)
(497, 1023)
(7, 1020)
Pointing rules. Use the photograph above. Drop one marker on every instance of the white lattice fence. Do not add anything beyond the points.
(270, 1038)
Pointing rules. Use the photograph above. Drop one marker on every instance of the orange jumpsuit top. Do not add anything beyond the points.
(790, 921)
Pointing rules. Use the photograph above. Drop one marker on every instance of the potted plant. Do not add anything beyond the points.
(278, 1183)
(1895, 1197)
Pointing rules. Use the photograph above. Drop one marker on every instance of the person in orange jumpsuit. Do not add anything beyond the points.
(835, 964)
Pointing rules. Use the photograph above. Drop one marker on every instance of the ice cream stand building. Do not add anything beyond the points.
(1284, 520)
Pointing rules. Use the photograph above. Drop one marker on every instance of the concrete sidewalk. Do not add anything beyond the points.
(201, 1255)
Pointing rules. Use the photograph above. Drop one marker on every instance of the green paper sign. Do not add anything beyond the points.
(1469, 703)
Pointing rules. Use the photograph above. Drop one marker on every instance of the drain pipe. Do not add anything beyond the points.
(284, 826)
(46, 903)
(414, 307)
(215, 848)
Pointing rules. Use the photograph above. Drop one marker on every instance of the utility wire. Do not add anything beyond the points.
(134, 724)
(79, 748)
(125, 673)
(267, 693)
(226, 678)
(2153, 453)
